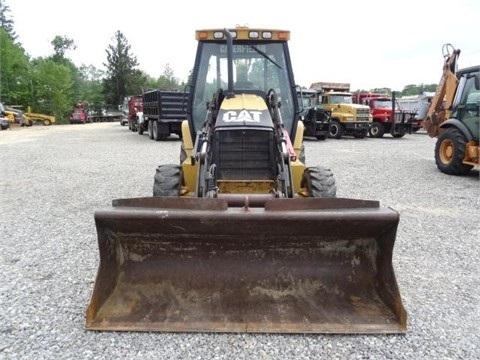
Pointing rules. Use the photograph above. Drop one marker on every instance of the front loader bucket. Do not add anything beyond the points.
(304, 265)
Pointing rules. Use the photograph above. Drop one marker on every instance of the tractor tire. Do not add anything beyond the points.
(319, 182)
(335, 130)
(140, 129)
(398, 136)
(377, 130)
(450, 152)
(167, 180)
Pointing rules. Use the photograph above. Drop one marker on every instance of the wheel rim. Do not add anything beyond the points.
(374, 130)
(334, 130)
(446, 151)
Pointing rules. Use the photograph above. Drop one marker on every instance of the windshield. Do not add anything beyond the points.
(260, 67)
(341, 99)
(382, 103)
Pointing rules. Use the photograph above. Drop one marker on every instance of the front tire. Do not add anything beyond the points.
(335, 130)
(377, 130)
(450, 152)
(319, 182)
(167, 180)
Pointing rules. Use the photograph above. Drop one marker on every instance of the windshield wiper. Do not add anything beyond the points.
(264, 55)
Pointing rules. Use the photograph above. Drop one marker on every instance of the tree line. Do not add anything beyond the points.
(53, 84)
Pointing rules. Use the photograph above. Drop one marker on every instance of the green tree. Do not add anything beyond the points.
(167, 80)
(14, 72)
(413, 89)
(51, 88)
(122, 73)
(6, 22)
(60, 45)
(90, 86)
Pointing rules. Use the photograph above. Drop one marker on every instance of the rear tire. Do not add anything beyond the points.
(150, 129)
(450, 152)
(167, 180)
(319, 182)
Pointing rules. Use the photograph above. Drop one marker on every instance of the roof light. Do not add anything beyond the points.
(253, 34)
(202, 35)
(266, 35)
(218, 35)
(283, 35)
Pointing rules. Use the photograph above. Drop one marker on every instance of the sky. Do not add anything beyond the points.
(369, 43)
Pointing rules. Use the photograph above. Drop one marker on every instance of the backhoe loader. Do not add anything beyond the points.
(240, 235)
(454, 116)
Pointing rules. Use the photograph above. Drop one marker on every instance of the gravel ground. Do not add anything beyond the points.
(53, 178)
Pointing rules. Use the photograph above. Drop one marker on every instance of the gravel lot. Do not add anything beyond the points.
(53, 178)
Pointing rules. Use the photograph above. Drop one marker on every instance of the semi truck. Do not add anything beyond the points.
(82, 113)
(163, 113)
(347, 118)
(382, 107)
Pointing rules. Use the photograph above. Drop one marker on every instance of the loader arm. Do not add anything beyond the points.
(441, 104)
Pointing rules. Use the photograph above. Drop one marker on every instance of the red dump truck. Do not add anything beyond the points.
(382, 106)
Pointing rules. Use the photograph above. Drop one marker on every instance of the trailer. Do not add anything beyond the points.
(163, 113)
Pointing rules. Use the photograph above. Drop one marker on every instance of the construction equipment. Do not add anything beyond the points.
(32, 117)
(241, 236)
(453, 116)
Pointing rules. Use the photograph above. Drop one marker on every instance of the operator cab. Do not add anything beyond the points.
(260, 62)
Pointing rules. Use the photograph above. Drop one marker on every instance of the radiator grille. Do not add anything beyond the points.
(244, 155)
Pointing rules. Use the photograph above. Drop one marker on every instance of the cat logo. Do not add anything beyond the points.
(242, 116)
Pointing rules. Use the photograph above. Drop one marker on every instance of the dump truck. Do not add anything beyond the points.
(419, 104)
(316, 120)
(453, 116)
(387, 116)
(347, 118)
(163, 113)
(240, 235)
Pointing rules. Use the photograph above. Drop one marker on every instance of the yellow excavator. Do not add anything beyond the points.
(453, 116)
(240, 235)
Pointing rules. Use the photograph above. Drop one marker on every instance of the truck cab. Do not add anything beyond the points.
(347, 118)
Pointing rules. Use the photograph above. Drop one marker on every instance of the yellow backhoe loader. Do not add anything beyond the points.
(454, 116)
(242, 236)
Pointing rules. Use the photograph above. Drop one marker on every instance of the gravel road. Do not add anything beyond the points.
(53, 178)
